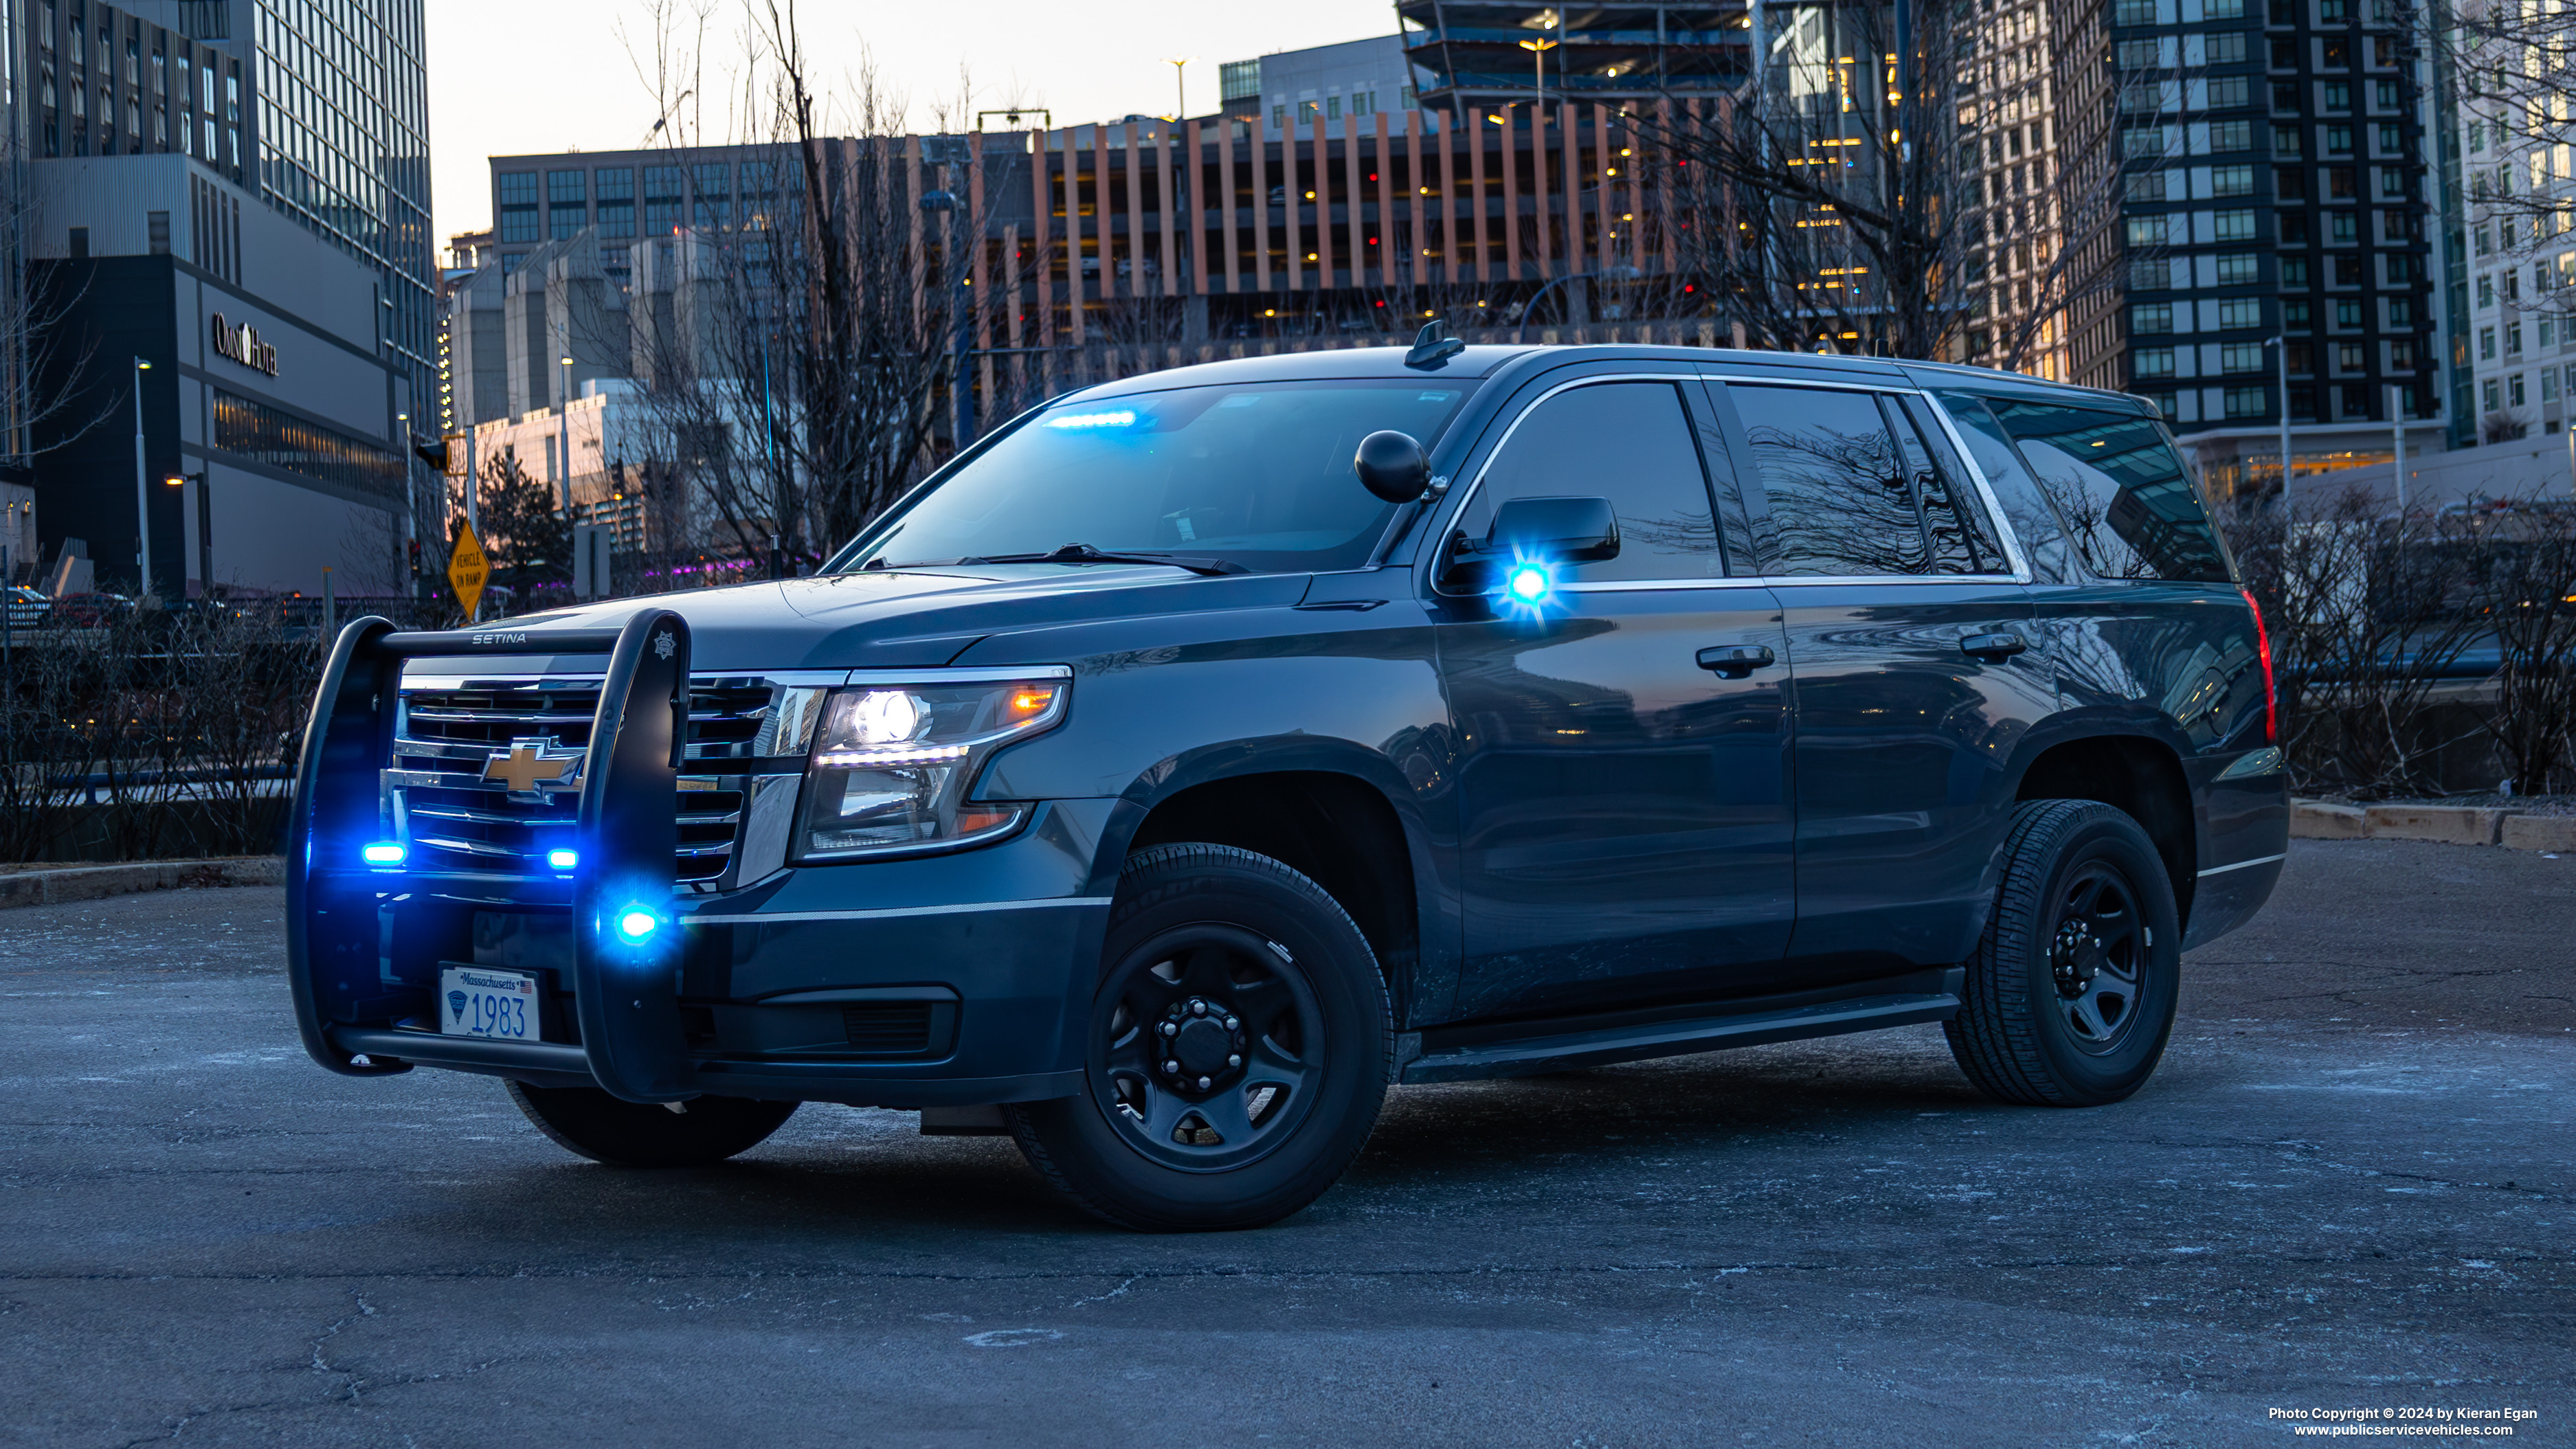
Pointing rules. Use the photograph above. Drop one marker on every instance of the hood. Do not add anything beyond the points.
(896, 618)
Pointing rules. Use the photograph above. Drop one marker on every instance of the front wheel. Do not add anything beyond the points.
(1238, 1050)
(2070, 999)
(603, 1128)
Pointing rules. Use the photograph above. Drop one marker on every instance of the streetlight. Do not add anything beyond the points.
(964, 387)
(2283, 343)
(1180, 92)
(142, 493)
(1538, 50)
(205, 527)
(563, 432)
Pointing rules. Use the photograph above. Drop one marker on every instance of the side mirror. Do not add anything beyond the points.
(1392, 466)
(1558, 530)
(1545, 530)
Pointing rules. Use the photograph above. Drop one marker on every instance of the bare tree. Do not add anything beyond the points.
(808, 373)
(2525, 578)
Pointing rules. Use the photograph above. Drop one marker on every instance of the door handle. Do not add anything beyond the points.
(1996, 646)
(1735, 661)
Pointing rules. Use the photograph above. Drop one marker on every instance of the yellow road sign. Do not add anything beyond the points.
(468, 569)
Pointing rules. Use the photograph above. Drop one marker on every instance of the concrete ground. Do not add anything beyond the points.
(2349, 1187)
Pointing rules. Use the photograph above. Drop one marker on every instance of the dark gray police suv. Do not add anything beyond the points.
(1205, 752)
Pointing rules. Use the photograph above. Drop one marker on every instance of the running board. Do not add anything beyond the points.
(1561, 1050)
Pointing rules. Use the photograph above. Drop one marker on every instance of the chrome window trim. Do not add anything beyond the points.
(1887, 581)
(773, 678)
(1782, 581)
(1635, 586)
(2021, 571)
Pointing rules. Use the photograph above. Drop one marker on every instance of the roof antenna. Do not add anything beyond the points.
(1433, 346)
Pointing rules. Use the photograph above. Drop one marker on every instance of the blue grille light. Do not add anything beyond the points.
(382, 852)
(562, 859)
(636, 925)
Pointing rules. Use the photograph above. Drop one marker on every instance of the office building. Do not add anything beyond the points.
(149, 125)
(2278, 186)
(1357, 77)
(2516, 351)
(267, 390)
(2017, 189)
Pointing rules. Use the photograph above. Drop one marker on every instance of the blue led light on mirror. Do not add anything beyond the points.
(1528, 583)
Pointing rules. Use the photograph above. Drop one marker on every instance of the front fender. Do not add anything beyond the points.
(1165, 705)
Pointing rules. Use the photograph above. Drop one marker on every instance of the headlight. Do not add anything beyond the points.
(892, 764)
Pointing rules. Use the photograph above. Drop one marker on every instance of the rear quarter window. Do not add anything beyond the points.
(2122, 489)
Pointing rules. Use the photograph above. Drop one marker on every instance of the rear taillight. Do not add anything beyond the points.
(2271, 696)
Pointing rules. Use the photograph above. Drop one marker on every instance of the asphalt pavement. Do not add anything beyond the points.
(2349, 1187)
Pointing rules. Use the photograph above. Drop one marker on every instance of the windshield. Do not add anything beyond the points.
(1256, 475)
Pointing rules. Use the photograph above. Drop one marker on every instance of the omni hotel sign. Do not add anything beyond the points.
(242, 344)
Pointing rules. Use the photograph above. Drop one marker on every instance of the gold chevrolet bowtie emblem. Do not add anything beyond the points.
(527, 762)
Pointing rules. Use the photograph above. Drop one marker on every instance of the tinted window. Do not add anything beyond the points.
(1258, 475)
(1629, 442)
(2018, 493)
(1854, 486)
(1837, 502)
(2121, 489)
(1954, 518)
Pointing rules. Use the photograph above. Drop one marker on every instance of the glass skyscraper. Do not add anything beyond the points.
(342, 140)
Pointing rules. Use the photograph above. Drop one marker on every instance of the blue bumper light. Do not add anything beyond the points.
(562, 859)
(383, 852)
(636, 925)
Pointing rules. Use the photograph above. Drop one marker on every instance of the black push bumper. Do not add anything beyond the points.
(722, 996)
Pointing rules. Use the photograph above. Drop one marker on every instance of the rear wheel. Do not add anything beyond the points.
(606, 1129)
(1238, 1050)
(2070, 999)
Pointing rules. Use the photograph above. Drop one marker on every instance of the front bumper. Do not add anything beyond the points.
(992, 952)
(944, 980)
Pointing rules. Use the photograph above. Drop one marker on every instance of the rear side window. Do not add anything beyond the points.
(2121, 489)
(1852, 487)
(1629, 442)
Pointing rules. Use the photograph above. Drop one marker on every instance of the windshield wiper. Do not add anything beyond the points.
(1083, 553)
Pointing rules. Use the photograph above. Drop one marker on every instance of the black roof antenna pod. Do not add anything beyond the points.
(1433, 346)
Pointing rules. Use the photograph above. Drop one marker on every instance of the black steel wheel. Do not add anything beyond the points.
(2097, 958)
(1239, 1048)
(701, 1131)
(2070, 998)
(1201, 1043)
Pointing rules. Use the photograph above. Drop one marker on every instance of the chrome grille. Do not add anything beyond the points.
(457, 820)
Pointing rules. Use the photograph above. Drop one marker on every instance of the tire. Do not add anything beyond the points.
(602, 1128)
(1271, 997)
(2070, 999)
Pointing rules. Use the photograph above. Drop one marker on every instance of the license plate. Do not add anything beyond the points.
(474, 1001)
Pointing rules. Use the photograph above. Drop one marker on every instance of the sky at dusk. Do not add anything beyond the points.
(511, 77)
